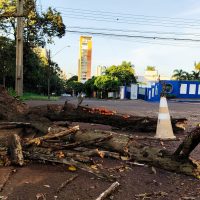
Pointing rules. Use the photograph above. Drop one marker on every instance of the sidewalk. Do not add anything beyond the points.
(195, 100)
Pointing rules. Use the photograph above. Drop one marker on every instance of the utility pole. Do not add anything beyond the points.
(19, 50)
(49, 69)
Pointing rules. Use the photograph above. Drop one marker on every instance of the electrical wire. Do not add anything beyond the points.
(134, 31)
(118, 21)
(135, 36)
(127, 14)
(152, 19)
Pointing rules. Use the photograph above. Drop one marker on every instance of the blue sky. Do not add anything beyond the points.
(165, 56)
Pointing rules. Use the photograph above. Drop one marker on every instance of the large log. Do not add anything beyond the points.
(107, 117)
(188, 144)
(151, 155)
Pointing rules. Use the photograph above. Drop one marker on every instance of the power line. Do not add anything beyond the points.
(135, 36)
(154, 42)
(132, 31)
(128, 14)
(117, 21)
(139, 18)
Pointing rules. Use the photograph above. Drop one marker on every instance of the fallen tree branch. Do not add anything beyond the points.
(38, 140)
(50, 157)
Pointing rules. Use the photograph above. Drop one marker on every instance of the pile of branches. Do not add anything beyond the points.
(45, 134)
(76, 148)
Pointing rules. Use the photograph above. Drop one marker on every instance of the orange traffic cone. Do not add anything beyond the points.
(164, 126)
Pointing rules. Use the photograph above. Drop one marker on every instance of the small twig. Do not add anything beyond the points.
(107, 192)
(66, 183)
(2, 186)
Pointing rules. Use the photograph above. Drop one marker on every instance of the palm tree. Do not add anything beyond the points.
(195, 75)
(187, 76)
(178, 74)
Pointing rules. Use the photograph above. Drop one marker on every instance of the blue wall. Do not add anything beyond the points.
(179, 89)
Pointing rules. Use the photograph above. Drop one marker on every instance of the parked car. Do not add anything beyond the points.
(66, 95)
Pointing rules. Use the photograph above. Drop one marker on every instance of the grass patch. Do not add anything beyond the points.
(33, 96)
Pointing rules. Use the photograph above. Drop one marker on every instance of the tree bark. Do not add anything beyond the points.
(189, 144)
(16, 150)
(38, 140)
(108, 117)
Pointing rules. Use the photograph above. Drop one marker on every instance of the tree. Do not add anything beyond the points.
(107, 83)
(73, 86)
(178, 74)
(197, 66)
(124, 73)
(89, 86)
(7, 59)
(151, 68)
(187, 76)
(39, 28)
(195, 75)
(73, 78)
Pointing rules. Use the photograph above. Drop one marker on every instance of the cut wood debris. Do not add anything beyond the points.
(42, 134)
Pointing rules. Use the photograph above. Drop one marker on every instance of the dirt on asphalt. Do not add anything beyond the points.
(41, 181)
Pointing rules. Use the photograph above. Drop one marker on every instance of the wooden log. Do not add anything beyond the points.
(144, 154)
(189, 144)
(11, 125)
(104, 116)
(16, 150)
(38, 140)
(128, 122)
(109, 191)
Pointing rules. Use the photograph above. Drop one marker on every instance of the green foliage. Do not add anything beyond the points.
(34, 96)
(107, 83)
(182, 75)
(73, 78)
(73, 86)
(89, 86)
(11, 92)
(151, 68)
(7, 59)
(124, 73)
(178, 74)
(39, 28)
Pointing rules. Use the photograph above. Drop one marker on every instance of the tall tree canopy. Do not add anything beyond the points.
(39, 28)
(107, 83)
(7, 59)
(178, 74)
(124, 73)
